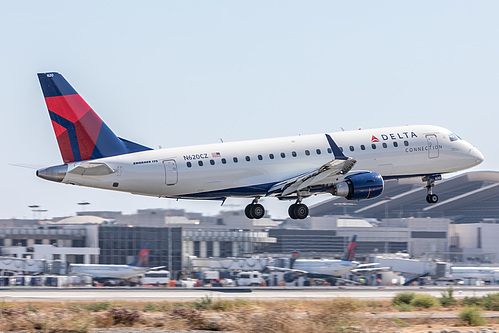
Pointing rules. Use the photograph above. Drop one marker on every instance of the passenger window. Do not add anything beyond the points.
(212, 162)
(283, 155)
(271, 156)
(362, 147)
(200, 163)
(341, 149)
(260, 157)
(395, 144)
(235, 159)
(352, 148)
(373, 146)
(329, 151)
(406, 143)
(318, 151)
(248, 158)
(293, 153)
(224, 161)
(307, 152)
(385, 145)
(189, 164)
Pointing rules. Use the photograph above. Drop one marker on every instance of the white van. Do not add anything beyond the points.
(156, 278)
(249, 278)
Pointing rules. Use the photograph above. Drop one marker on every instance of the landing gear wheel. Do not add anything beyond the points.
(291, 211)
(248, 211)
(257, 211)
(298, 211)
(254, 211)
(432, 198)
(301, 211)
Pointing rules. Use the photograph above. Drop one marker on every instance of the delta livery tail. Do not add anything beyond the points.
(80, 132)
(349, 164)
(349, 254)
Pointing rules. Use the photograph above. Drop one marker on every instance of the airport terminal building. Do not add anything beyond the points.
(461, 227)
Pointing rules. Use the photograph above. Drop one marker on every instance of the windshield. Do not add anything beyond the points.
(454, 137)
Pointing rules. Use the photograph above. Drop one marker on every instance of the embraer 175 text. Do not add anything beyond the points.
(289, 168)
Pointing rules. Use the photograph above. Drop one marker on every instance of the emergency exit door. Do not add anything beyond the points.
(171, 172)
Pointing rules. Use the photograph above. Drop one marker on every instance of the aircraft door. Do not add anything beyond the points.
(433, 150)
(171, 172)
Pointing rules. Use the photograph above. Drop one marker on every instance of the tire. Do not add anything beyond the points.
(291, 211)
(432, 198)
(301, 211)
(248, 211)
(257, 211)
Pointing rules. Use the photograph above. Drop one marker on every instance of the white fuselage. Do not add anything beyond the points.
(475, 272)
(107, 271)
(329, 267)
(250, 168)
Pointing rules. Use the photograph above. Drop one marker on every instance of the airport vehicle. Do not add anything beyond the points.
(289, 168)
(105, 273)
(160, 277)
(248, 279)
(323, 268)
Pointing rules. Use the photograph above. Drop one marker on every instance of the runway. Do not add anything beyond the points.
(22, 294)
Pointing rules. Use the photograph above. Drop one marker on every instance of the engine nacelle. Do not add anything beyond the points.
(360, 186)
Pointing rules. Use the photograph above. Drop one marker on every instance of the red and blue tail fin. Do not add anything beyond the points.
(142, 259)
(80, 133)
(349, 254)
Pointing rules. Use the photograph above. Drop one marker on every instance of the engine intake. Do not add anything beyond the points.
(360, 186)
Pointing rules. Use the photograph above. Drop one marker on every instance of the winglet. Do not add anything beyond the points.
(338, 155)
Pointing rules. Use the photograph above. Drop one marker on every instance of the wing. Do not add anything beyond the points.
(326, 174)
(92, 169)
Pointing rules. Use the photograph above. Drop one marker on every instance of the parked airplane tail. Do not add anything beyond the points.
(349, 254)
(142, 259)
(80, 133)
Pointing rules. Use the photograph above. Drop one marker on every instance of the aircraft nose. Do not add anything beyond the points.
(476, 154)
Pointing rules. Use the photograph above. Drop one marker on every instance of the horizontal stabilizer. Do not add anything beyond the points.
(92, 169)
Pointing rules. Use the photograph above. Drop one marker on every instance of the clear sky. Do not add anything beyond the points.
(174, 73)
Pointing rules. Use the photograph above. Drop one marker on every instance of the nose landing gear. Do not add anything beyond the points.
(431, 198)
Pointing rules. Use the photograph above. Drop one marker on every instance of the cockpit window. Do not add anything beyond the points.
(454, 137)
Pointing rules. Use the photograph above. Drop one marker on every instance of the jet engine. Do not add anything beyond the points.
(359, 186)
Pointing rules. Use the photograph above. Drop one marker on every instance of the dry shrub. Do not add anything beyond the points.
(278, 319)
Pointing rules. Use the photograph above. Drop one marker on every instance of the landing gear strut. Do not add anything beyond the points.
(298, 210)
(431, 198)
(254, 210)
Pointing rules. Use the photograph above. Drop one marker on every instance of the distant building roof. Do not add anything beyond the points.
(83, 220)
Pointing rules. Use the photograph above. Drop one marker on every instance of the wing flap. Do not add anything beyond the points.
(316, 177)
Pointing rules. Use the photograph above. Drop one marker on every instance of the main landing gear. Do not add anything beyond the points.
(431, 198)
(256, 211)
(298, 211)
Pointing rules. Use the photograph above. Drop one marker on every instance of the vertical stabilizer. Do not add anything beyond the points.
(349, 254)
(81, 133)
(142, 259)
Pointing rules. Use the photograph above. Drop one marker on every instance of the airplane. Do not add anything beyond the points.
(324, 268)
(102, 273)
(476, 272)
(289, 168)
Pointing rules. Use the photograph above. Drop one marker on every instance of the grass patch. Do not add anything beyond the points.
(403, 298)
(424, 301)
(472, 316)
